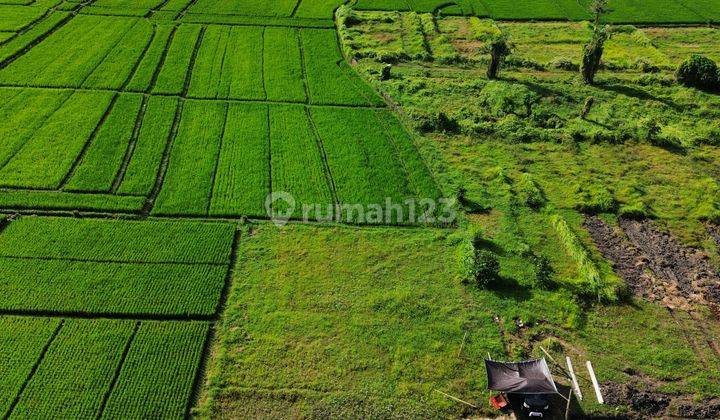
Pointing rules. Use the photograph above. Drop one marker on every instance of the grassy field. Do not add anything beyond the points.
(140, 277)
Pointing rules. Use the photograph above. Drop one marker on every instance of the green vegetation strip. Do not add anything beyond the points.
(100, 368)
(185, 242)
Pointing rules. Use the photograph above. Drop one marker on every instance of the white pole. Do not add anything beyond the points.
(595, 383)
(574, 378)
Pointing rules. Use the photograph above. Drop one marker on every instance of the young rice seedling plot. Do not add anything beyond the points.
(75, 368)
(113, 267)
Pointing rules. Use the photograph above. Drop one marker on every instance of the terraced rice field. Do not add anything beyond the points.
(135, 136)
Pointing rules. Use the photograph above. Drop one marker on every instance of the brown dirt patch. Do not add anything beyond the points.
(655, 265)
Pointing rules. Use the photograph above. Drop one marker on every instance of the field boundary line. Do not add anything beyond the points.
(295, 9)
(39, 126)
(145, 215)
(153, 34)
(262, 63)
(25, 28)
(205, 355)
(200, 371)
(217, 161)
(164, 162)
(329, 178)
(44, 313)
(268, 138)
(219, 94)
(34, 369)
(396, 153)
(156, 8)
(110, 262)
(88, 142)
(303, 69)
(181, 14)
(118, 370)
(36, 41)
(130, 149)
(107, 53)
(161, 63)
(191, 64)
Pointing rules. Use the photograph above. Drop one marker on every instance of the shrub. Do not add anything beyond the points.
(699, 72)
(528, 192)
(543, 272)
(476, 265)
(487, 267)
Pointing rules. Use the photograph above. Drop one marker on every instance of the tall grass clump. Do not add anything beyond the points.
(591, 282)
(474, 263)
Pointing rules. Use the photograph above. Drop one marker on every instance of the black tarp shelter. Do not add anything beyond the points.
(526, 377)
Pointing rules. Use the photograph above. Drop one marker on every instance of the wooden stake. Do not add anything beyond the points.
(567, 407)
(548, 355)
(456, 399)
(595, 383)
(462, 344)
(575, 384)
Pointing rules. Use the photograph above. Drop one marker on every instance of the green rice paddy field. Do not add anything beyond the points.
(140, 277)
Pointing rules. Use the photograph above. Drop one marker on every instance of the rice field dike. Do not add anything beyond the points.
(328, 209)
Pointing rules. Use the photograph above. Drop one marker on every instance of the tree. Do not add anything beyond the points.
(499, 49)
(592, 54)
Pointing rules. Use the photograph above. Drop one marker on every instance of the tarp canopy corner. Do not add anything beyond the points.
(525, 377)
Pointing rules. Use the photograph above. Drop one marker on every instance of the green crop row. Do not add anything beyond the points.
(171, 78)
(229, 64)
(115, 68)
(22, 342)
(46, 131)
(146, 156)
(280, 8)
(362, 159)
(70, 56)
(15, 18)
(298, 22)
(43, 158)
(120, 241)
(157, 376)
(188, 182)
(63, 286)
(297, 162)
(123, 4)
(283, 70)
(77, 370)
(57, 200)
(330, 79)
(592, 283)
(242, 179)
(147, 68)
(317, 9)
(42, 28)
(98, 368)
(22, 113)
(97, 170)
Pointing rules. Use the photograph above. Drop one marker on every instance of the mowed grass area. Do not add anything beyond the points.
(344, 322)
